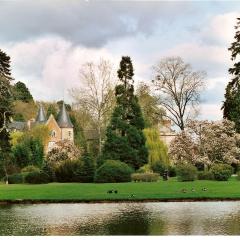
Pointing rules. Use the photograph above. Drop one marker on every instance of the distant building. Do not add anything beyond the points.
(166, 132)
(59, 129)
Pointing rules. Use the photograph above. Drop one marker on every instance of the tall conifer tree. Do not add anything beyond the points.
(125, 140)
(231, 105)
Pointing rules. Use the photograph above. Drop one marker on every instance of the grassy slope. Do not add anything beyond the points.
(158, 190)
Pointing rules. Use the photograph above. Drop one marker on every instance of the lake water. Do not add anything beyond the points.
(170, 218)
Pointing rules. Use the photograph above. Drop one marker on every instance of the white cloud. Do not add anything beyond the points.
(211, 111)
(220, 29)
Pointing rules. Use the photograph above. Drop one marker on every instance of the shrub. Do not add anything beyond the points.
(238, 175)
(221, 172)
(30, 168)
(37, 177)
(205, 175)
(69, 171)
(144, 169)
(15, 178)
(113, 171)
(186, 172)
(172, 171)
(145, 177)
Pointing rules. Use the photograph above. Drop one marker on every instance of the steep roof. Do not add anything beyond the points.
(16, 125)
(41, 116)
(64, 119)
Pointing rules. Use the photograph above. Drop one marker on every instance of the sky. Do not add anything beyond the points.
(49, 41)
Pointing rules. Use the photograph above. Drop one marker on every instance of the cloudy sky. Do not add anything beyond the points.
(48, 41)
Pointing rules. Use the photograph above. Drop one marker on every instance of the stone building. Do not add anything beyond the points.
(166, 132)
(59, 129)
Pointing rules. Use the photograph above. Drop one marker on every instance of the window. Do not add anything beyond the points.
(69, 133)
(53, 133)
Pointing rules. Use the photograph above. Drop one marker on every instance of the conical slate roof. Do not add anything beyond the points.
(63, 118)
(41, 117)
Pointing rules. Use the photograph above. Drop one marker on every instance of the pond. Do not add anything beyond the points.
(169, 218)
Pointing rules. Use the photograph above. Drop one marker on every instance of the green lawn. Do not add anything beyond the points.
(157, 190)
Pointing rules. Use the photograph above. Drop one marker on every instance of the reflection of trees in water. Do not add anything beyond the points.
(135, 221)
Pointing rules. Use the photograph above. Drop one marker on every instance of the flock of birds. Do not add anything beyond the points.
(184, 190)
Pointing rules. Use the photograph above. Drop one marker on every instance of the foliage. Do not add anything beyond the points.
(180, 89)
(5, 100)
(62, 151)
(172, 171)
(113, 171)
(30, 168)
(145, 177)
(15, 138)
(28, 147)
(186, 172)
(149, 103)
(52, 110)
(25, 109)
(87, 171)
(36, 177)
(157, 151)
(125, 140)
(231, 110)
(15, 178)
(221, 172)
(144, 169)
(206, 143)
(21, 92)
(69, 171)
(29, 152)
(205, 175)
(238, 175)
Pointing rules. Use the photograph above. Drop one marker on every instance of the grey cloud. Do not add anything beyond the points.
(88, 23)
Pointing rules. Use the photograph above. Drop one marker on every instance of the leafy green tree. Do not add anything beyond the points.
(21, 92)
(149, 103)
(157, 151)
(125, 140)
(231, 105)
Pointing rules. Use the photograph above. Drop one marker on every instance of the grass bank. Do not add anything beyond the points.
(160, 191)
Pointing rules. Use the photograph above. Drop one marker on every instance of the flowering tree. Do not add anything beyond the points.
(207, 143)
(62, 151)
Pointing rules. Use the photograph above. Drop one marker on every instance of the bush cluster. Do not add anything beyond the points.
(113, 171)
(145, 177)
(221, 172)
(15, 178)
(186, 172)
(205, 175)
(37, 177)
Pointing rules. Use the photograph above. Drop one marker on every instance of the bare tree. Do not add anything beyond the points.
(96, 94)
(180, 89)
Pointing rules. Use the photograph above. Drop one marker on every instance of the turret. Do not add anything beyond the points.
(65, 124)
(41, 116)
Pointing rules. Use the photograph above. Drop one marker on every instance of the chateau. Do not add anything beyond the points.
(59, 129)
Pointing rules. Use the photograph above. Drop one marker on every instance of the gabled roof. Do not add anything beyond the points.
(64, 119)
(41, 116)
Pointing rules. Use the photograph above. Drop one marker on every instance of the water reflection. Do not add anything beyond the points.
(191, 218)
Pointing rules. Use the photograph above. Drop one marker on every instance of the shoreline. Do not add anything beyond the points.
(67, 201)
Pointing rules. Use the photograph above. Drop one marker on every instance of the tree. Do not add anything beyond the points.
(231, 105)
(152, 113)
(157, 151)
(5, 108)
(24, 110)
(125, 140)
(52, 110)
(96, 95)
(21, 92)
(180, 89)
(206, 143)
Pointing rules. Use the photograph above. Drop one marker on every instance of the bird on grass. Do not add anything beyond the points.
(184, 190)
(204, 189)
